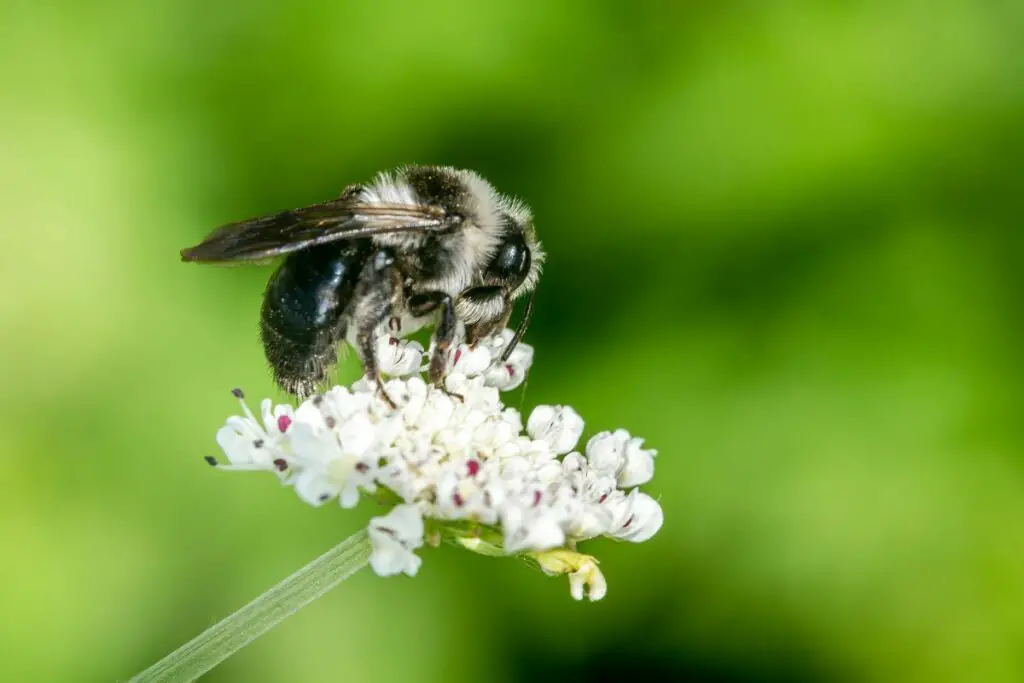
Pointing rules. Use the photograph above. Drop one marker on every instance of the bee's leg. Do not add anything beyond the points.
(444, 335)
(423, 304)
(373, 304)
(397, 302)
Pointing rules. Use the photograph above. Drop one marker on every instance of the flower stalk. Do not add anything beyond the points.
(231, 634)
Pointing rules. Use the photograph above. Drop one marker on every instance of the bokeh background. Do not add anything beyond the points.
(785, 246)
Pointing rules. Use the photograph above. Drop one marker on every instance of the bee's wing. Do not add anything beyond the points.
(339, 219)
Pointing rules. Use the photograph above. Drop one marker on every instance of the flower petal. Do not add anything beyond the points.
(605, 451)
(639, 464)
(393, 537)
(398, 357)
(645, 519)
(590, 577)
(560, 426)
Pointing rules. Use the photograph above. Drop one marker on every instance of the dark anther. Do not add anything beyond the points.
(536, 498)
(281, 464)
(210, 460)
(238, 393)
(393, 341)
(473, 466)
(362, 467)
(318, 400)
(283, 423)
(457, 499)
(324, 497)
(330, 422)
(258, 443)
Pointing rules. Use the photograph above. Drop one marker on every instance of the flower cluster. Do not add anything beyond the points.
(456, 463)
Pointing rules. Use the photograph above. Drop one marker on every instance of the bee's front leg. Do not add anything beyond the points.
(444, 336)
(372, 305)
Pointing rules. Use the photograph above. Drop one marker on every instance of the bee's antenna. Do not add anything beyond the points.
(520, 328)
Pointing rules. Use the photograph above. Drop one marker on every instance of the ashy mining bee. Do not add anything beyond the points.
(421, 245)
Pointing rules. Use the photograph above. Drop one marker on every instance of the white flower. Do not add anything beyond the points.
(398, 357)
(639, 467)
(590, 577)
(560, 426)
(623, 456)
(469, 361)
(335, 459)
(393, 537)
(458, 457)
(251, 446)
(509, 374)
(637, 518)
(531, 529)
(605, 452)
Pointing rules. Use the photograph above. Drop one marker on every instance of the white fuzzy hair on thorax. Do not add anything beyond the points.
(479, 236)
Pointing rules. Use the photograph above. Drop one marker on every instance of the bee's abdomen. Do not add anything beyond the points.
(304, 312)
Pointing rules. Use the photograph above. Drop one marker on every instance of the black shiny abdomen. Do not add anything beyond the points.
(303, 316)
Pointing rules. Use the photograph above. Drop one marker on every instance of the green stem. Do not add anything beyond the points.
(223, 639)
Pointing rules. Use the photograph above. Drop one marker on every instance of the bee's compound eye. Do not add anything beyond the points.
(511, 263)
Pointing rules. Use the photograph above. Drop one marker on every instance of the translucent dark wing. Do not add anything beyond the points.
(339, 219)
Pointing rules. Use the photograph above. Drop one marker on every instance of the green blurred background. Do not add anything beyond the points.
(785, 246)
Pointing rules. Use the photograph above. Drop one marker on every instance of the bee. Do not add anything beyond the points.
(417, 246)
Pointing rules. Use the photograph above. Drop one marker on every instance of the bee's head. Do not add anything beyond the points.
(516, 258)
(499, 228)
